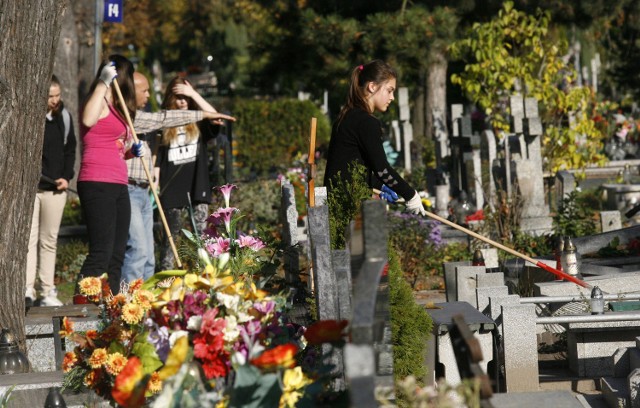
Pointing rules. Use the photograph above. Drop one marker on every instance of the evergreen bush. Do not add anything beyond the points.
(269, 134)
(410, 325)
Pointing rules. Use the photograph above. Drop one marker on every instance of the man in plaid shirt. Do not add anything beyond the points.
(139, 259)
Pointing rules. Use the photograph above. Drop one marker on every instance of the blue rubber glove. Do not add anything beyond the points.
(388, 194)
(137, 149)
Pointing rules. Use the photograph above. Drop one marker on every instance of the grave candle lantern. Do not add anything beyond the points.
(12, 360)
(597, 301)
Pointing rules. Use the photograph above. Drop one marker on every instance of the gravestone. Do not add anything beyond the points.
(441, 136)
(528, 165)
(488, 163)
(324, 279)
(610, 221)
(289, 219)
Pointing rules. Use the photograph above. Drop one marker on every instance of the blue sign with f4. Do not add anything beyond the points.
(113, 11)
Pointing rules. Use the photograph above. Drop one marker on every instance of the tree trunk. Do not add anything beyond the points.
(418, 119)
(65, 66)
(436, 88)
(30, 30)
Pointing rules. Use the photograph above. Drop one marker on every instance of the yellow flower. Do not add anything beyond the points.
(293, 381)
(132, 313)
(98, 358)
(90, 286)
(144, 298)
(174, 292)
(115, 363)
(155, 383)
(135, 285)
(176, 357)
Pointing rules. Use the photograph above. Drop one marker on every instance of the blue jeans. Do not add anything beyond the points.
(139, 260)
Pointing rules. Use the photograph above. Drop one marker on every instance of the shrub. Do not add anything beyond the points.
(69, 259)
(410, 324)
(344, 201)
(269, 134)
(72, 214)
(575, 216)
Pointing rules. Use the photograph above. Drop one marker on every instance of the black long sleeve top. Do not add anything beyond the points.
(58, 157)
(358, 138)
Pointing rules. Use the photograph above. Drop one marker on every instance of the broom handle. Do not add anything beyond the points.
(146, 171)
(312, 163)
(539, 264)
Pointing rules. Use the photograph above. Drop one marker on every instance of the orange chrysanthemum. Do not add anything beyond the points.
(67, 327)
(90, 378)
(98, 358)
(326, 331)
(155, 383)
(117, 301)
(69, 361)
(90, 286)
(282, 356)
(135, 285)
(132, 313)
(91, 334)
(144, 298)
(115, 363)
(124, 389)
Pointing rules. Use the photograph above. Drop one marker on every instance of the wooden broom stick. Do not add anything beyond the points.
(539, 264)
(312, 164)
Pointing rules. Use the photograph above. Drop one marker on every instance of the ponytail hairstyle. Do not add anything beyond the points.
(125, 70)
(56, 82)
(169, 102)
(376, 71)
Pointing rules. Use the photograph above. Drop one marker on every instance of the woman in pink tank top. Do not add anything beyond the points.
(102, 181)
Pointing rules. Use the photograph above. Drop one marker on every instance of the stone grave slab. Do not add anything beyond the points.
(450, 279)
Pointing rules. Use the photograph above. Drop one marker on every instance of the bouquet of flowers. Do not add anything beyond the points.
(207, 337)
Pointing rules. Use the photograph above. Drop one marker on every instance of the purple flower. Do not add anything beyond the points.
(159, 338)
(226, 192)
(265, 307)
(247, 241)
(218, 247)
(224, 214)
(193, 304)
(251, 328)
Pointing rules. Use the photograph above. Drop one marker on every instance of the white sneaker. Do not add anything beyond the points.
(51, 299)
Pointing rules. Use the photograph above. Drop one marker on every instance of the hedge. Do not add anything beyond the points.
(269, 134)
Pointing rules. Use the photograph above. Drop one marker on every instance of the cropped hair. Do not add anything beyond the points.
(170, 102)
(125, 70)
(376, 71)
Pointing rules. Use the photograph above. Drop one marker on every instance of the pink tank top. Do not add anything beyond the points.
(103, 150)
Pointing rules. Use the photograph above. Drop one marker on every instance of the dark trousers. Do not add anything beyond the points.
(107, 213)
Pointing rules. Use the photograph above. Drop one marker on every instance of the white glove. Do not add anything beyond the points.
(415, 205)
(108, 73)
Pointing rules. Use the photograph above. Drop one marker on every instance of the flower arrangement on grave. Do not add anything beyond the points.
(210, 336)
(297, 176)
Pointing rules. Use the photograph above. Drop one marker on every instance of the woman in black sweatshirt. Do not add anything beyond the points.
(356, 135)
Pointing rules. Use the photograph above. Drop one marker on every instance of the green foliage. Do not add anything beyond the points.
(516, 53)
(575, 217)
(72, 214)
(410, 324)
(345, 201)
(69, 259)
(269, 134)
(259, 200)
(420, 248)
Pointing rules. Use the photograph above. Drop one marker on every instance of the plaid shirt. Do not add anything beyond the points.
(148, 122)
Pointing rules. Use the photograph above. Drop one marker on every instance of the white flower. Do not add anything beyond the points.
(176, 335)
(194, 323)
(231, 302)
(231, 330)
(238, 359)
